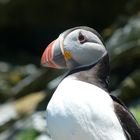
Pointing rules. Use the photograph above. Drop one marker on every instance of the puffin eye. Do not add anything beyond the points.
(81, 38)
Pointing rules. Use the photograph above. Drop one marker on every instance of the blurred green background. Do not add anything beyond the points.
(26, 27)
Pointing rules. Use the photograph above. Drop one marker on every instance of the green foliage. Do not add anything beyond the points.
(29, 134)
(136, 113)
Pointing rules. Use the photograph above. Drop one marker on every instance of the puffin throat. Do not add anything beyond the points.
(96, 74)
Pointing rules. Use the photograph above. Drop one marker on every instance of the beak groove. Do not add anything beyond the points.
(47, 57)
(52, 56)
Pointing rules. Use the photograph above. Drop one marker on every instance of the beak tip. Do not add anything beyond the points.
(47, 57)
(43, 59)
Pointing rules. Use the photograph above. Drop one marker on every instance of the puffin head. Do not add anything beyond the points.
(77, 47)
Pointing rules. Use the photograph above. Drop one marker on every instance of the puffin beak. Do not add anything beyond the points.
(52, 56)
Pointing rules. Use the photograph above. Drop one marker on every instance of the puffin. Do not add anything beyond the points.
(81, 107)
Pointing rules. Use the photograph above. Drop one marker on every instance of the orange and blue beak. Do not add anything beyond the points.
(53, 55)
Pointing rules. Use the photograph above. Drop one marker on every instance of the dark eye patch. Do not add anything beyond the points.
(81, 38)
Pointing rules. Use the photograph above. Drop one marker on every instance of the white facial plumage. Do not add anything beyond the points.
(84, 53)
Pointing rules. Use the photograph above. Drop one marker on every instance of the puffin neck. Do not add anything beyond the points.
(96, 74)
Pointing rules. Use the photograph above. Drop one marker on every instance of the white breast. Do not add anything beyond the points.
(81, 111)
